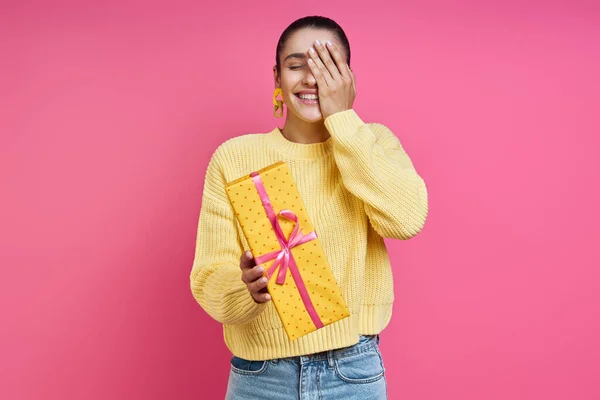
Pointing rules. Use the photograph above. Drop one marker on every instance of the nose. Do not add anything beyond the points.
(309, 79)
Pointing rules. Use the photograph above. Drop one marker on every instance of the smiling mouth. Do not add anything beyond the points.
(308, 99)
(307, 96)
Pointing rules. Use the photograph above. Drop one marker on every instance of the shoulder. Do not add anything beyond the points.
(237, 147)
(226, 158)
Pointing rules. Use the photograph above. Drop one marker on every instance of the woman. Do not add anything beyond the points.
(358, 186)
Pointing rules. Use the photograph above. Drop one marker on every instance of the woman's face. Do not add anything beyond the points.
(296, 78)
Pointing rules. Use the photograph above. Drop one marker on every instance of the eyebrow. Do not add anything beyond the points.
(295, 55)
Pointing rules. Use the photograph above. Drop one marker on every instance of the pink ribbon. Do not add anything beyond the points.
(283, 257)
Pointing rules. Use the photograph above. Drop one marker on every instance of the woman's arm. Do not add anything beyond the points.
(215, 279)
(376, 169)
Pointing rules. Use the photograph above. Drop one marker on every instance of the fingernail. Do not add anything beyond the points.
(311, 49)
(317, 42)
(329, 43)
(263, 280)
(260, 269)
(248, 254)
(268, 296)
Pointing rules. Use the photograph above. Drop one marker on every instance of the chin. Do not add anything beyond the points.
(314, 119)
(310, 117)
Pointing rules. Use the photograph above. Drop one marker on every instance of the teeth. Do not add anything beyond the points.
(308, 96)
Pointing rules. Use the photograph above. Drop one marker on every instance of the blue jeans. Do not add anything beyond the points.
(354, 372)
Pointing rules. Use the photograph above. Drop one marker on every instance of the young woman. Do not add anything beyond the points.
(358, 186)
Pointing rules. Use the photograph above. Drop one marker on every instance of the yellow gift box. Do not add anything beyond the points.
(281, 237)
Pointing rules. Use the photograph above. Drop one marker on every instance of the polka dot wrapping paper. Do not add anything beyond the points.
(274, 221)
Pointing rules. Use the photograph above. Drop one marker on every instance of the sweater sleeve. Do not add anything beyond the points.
(375, 168)
(215, 279)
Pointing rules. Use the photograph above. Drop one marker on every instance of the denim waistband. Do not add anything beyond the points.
(365, 343)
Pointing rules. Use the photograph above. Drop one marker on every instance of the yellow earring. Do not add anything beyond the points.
(278, 103)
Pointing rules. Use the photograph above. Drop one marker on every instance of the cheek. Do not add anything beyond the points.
(290, 82)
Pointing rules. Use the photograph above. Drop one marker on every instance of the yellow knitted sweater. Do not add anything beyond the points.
(358, 187)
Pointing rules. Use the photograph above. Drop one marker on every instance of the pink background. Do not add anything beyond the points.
(110, 112)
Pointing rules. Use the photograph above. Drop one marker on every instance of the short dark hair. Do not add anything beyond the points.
(314, 22)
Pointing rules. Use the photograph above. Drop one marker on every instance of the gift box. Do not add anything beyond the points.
(275, 223)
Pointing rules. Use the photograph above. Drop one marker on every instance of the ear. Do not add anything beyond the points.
(276, 77)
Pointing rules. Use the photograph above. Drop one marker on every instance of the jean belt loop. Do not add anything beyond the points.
(330, 358)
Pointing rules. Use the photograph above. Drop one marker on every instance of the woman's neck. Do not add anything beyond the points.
(298, 131)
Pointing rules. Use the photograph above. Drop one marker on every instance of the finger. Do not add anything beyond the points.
(263, 290)
(316, 64)
(340, 61)
(353, 78)
(247, 260)
(257, 285)
(327, 60)
(261, 297)
(322, 83)
(250, 275)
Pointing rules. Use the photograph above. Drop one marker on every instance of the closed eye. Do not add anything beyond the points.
(294, 67)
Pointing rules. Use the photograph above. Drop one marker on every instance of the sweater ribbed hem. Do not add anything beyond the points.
(246, 342)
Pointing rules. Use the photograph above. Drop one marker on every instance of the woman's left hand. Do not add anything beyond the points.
(335, 80)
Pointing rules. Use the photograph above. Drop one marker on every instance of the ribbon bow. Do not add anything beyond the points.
(282, 256)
